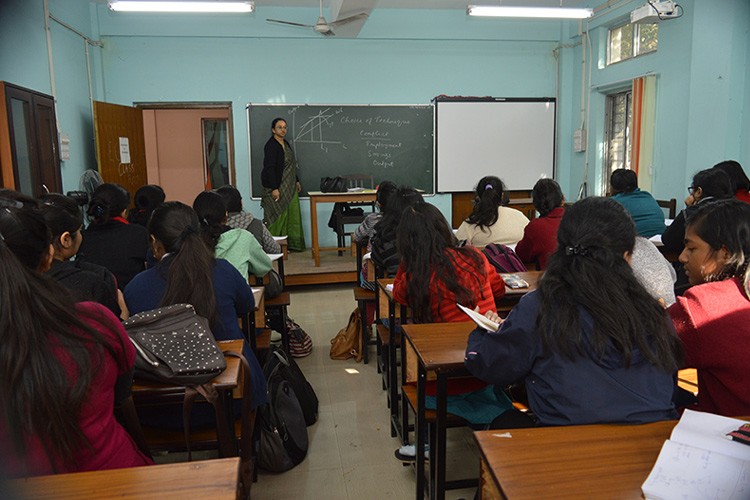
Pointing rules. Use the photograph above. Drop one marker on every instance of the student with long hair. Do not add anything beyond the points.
(366, 230)
(146, 199)
(63, 366)
(237, 246)
(110, 240)
(591, 344)
(434, 276)
(237, 218)
(87, 281)
(384, 252)
(490, 221)
(713, 317)
(540, 235)
(738, 178)
(187, 272)
(708, 186)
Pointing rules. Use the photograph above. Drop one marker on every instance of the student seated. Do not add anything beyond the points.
(737, 177)
(187, 273)
(713, 317)
(384, 252)
(87, 281)
(238, 219)
(435, 274)
(591, 344)
(490, 222)
(237, 246)
(366, 230)
(146, 199)
(642, 207)
(540, 235)
(111, 241)
(63, 365)
(708, 185)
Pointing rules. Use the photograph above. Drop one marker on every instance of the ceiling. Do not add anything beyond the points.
(423, 4)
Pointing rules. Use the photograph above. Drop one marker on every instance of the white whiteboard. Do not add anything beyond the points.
(513, 139)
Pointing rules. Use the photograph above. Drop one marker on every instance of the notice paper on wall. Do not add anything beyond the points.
(124, 150)
(699, 461)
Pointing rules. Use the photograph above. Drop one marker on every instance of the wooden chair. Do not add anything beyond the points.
(670, 205)
(364, 298)
(364, 181)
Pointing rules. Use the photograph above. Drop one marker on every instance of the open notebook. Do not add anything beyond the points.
(480, 320)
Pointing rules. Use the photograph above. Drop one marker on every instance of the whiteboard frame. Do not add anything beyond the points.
(499, 101)
(249, 105)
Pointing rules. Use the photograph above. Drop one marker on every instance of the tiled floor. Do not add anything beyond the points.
(351, 450)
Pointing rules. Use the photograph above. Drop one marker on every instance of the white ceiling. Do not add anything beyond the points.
(423, 4)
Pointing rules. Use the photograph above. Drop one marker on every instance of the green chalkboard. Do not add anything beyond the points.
(388, 142)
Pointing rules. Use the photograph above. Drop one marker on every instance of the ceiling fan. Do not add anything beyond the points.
(322, 26)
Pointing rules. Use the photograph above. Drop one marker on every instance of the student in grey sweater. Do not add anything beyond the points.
(653, 271)
(237, 219)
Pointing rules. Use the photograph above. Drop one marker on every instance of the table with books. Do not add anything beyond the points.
(614, 461)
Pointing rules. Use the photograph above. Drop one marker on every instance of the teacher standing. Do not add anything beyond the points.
(280, 201)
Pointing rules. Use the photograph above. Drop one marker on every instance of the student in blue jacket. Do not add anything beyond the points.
(642, 207)
(590, 343)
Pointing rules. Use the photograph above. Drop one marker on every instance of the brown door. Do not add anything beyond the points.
(28, 141)
(120, 149)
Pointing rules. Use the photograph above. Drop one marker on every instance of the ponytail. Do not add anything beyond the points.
(212, 213)
(489, 196)
(107, 202)
(190, 261)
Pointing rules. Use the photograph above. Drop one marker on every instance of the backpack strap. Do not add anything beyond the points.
(247, 462)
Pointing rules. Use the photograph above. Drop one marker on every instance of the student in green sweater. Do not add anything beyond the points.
(238, 246)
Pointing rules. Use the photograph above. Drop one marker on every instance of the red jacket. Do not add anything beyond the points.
(444, 308)
(540, 238)
(713, 322)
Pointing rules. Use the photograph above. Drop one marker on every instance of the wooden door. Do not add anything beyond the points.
(29, 153)
(120, 148)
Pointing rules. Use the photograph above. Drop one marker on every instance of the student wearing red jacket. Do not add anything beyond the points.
(540, 236)
(713, 317)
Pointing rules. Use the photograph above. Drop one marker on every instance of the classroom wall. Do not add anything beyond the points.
(198, 61)
(702, 98)
(24, 61)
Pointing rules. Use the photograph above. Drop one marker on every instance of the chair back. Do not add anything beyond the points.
(670, 205)
(359, 181)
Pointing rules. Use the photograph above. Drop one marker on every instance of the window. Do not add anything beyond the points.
(619, 118)
(631, 40)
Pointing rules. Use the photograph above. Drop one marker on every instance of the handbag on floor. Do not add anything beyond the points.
(174, 345)
(300, 343)
(348, 342)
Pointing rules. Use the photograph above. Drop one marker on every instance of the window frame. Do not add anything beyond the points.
(609, 131)
(636, 42)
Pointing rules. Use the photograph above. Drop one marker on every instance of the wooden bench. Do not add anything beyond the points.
(363, 298)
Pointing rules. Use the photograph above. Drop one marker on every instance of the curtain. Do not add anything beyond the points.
(642, 148)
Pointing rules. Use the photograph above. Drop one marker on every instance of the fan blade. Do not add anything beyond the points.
(349, 19)
(289, 23)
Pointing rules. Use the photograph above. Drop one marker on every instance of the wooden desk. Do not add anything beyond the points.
(151, 392)
(439, 348)
(530, 277)
(367, 196)
(283, 243)
(216, 479)
(579, 461)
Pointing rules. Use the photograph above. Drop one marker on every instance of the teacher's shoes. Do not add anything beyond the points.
(408, 453)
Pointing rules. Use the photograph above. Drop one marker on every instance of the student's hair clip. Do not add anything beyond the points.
(577, 250)
(6, 203)
(488, 186)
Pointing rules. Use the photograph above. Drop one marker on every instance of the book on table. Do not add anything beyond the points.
(699, 461)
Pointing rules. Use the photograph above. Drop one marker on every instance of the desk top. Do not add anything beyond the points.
(228, 379)
(440, 346)
(578, 461)
(530, 277)
(366, 195)
(216, 479)
(383, 284)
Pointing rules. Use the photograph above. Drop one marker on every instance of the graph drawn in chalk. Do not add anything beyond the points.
(311, 131)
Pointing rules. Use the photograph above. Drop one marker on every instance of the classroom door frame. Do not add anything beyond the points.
(152, 151)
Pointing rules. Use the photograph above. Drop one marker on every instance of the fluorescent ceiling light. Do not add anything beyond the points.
(539, 12)
(179, 6)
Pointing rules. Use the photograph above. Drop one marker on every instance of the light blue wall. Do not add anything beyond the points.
(220, 62)
(401, 56)
(701, 96)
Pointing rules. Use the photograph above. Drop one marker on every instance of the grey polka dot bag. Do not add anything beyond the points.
(174, 345)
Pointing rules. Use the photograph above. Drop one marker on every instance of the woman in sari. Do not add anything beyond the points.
(280, 201)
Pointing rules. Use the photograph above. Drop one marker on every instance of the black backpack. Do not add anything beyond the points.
(283, 433)
(290, 371)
